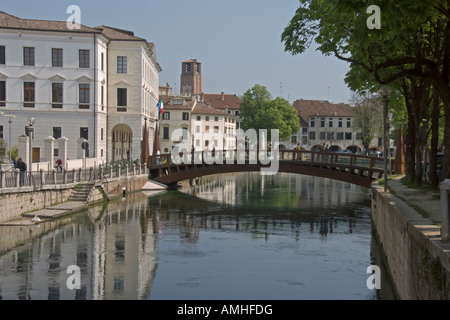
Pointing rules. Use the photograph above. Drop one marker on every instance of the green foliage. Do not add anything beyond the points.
(14, 152)
(260, 111)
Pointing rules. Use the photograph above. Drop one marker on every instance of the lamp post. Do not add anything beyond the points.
(10, 116)
(30, 127)
(385, 93)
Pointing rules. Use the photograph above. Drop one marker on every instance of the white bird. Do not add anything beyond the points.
(36, 219)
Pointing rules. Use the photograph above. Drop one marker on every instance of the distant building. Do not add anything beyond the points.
(324, 124)
(201, 125)
(227, 103)
(191, 78)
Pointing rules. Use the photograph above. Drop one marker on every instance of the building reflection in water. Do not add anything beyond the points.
(116, 261)
(116, 246)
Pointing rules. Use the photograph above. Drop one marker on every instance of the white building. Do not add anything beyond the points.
(68, 81)
(202, 126)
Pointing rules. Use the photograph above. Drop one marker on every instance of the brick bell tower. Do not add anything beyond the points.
(191, 78)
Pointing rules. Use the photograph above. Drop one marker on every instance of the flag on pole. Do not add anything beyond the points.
(160, 106)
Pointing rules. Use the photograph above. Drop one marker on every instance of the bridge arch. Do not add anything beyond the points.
(359, 170)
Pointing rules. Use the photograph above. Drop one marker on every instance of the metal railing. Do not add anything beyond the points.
(35, 179)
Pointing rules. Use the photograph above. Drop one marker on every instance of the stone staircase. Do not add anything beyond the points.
(82, 192)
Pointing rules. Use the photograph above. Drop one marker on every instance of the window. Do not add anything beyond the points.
(84, 133)
(330, 135)
(304, 131)
(348, 136)
(199, 118)
(187, 67)
(322, 136)
(57, 57)
(1, 132)
(216, 129)
(121, 64)
(166, 133)
(57, 95)
(57, 132)
(84, 58)
(313, 122)
(166, 116)
(349, 123)
(2, 93)
(28, 56)
(216, 119)
(207, 129)
(330, 123)
(312, 135)
(340, 123)
(358, 136)
(84, 96)
(177, 102)
(294, 139)
(121, 97)
(197, 129)
(207, 118)
(322, 123)
(101, 134)
(28, 94)
(185, 116)
(2, 55)
(340, 136)
(102, 97)
(103, 61)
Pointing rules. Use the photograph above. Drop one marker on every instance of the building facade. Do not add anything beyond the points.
(324, 125)
(68, 82)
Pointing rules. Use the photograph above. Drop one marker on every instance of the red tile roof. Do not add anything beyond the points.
(319, 108)
(8, 21)
(202, 108)
(222, 101)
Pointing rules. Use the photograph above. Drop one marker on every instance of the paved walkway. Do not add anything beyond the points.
(426, 202)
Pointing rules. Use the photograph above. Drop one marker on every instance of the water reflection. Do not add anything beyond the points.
(227, 237)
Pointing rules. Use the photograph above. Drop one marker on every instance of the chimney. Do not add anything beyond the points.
(203, 96)
(167, 84)
(223, 96)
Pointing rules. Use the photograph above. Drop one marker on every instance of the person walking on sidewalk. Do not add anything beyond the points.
(22, 166)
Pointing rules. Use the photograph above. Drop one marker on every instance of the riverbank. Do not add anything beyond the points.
(20, 207)
(407, 223)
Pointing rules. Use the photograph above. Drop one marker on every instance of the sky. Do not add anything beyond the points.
(238, 42)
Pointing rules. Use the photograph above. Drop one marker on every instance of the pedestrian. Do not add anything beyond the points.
(192, 154)
(22, 166)
(213, 154)
(59, 164)
(158, 158)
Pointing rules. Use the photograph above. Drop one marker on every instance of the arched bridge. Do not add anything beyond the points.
(352, 168)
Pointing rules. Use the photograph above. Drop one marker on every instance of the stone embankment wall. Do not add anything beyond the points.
(413, 251)
(14, 204)
(17, 201)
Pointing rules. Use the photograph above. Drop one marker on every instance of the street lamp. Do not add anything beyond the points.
(10, 116)
(31, 122)
(385, 93)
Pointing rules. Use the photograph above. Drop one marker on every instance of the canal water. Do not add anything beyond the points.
(229, 237)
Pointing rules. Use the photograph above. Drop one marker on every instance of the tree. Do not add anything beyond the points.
(413, 42)
(368, 118)
(259, 111)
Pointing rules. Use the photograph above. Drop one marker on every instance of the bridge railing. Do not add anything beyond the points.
(232, 156)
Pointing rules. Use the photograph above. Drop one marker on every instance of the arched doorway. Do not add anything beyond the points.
(122, 141)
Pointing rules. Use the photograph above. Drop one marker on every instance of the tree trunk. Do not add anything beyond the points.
(433, 181)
